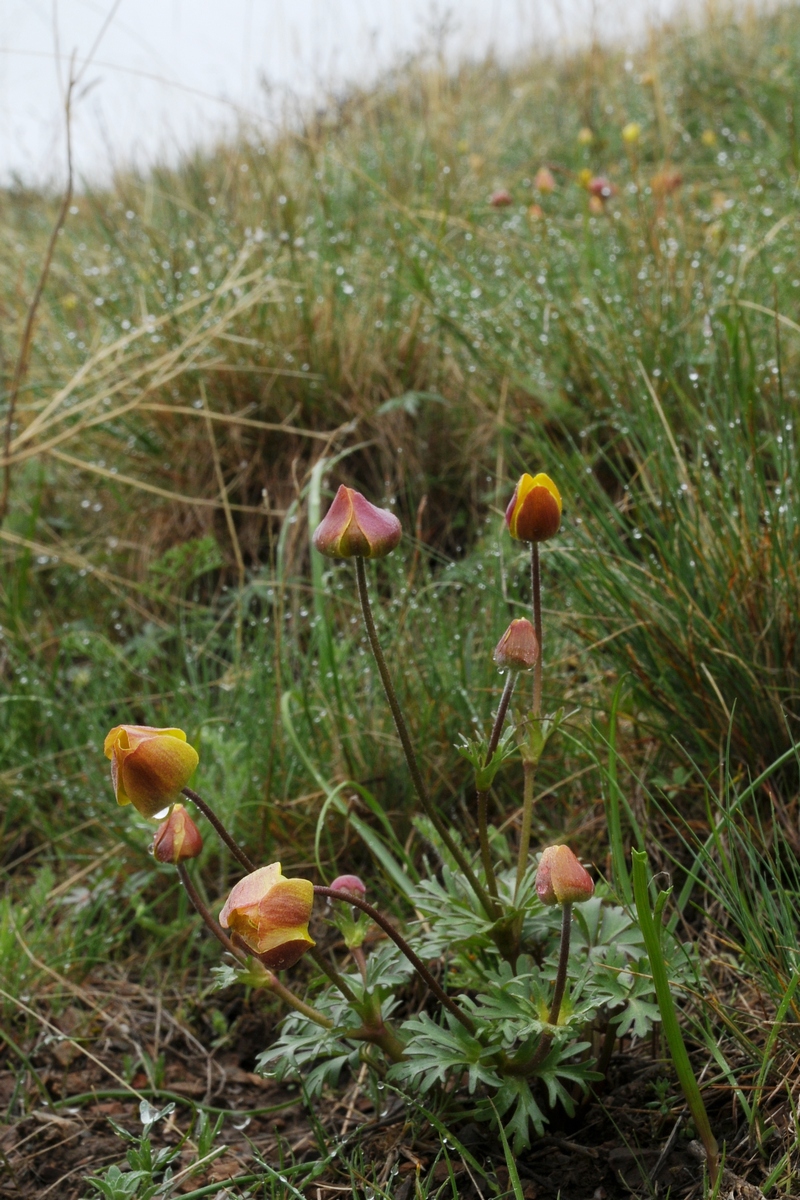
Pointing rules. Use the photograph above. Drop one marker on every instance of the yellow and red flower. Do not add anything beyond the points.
(534, 512)
(269, 915)
(149, 767)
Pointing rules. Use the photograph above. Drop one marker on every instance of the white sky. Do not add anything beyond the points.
(167, 73)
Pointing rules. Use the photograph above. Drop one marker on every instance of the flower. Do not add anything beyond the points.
(149, 767)
(598, 185)
(177, 838)
(585, 136)
(354, 528)
(708, 137)
(269, 915)
(666, 181)
(631, 132)
(534, 512)
(501, 198)
(535, 212)
(544, 181)
(350, 884)
(518, 647)
(560, 878)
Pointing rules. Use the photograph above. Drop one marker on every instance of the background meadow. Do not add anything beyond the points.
(219, 344)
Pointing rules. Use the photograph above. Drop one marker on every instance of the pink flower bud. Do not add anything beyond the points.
(600, 186)
(269, 915)
(177, 838)
(354, 528)
(534, 511)
(351, 884)
(560, 878)
(149, 767)
(501, 198)
(518, 648)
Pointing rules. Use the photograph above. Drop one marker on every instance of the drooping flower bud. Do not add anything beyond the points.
(177, 838)
(560, 878)
(501, 198)
(544, 181)
(354, 528)
(518, 648)
(269, 915)
(149, 767)
(534, 512)
(350, 884)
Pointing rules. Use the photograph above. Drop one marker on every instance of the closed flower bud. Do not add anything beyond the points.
(544, 181)
(269, 915)
(350, 884)
(518, 648)
(149, 767)
(534, 512)
(631, 132)
(585, 136)
(177, 838)
(354, 528)
(597, 206)
(584, 177)
(560, 878)
(501, 198)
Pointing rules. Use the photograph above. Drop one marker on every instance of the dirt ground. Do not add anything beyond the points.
(114, 1040)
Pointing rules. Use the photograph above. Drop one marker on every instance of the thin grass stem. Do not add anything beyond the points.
(528, 779)
(408, 749)
(483, 796)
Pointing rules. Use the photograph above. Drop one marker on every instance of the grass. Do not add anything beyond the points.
(222, 342)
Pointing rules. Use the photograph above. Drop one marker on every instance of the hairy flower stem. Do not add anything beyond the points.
(483, 796)
(408, 749)
(528, 778)
(208, 920)
(563, 963)
(536, 592)
(271, 982)
(212, 817)
(399, 940)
